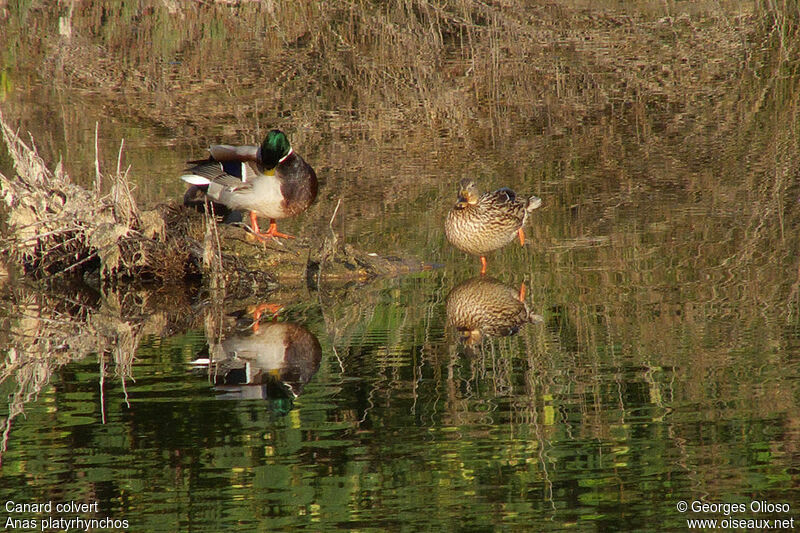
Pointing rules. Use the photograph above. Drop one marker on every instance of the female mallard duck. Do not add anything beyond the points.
(481, 223)
(270, 180)
(484, 306)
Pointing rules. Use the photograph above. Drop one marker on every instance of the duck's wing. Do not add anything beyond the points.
(507, 196)
(503, 195)
(226, 152)
(225, 159)
(534, 202)
(207, 169)
(214, 174)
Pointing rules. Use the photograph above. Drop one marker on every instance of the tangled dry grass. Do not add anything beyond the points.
(57, 227)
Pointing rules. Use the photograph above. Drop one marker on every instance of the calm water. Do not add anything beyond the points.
(661, 367)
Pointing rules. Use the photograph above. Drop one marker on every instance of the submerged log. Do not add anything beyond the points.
(56, 228)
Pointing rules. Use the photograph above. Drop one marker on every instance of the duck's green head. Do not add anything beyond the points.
(467, 192)
(274, 148)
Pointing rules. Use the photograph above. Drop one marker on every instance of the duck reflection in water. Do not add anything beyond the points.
(483, 306)
(263, 360)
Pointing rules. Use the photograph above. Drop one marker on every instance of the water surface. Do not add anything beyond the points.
(663, 368)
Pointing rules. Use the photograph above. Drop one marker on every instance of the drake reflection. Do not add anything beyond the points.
(263, 360)
(484, 306)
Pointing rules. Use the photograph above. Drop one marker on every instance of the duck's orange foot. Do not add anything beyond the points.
(271, 233)
(522, 292)
(483, 265)
(521, 237)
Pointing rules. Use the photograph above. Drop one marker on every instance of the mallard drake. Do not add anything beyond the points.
(270, 180)
(263, 360)
(276, 353)
(481, 223)
(484, 306)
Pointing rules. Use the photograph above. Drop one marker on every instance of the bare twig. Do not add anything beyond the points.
(97, 176)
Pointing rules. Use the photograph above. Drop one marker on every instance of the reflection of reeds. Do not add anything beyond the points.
(31, 374)
(43, 331)
(378, 71)
(47, 333)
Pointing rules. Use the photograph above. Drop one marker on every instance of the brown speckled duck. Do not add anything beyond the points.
(484, 306)
(481, 223)
(270, 180)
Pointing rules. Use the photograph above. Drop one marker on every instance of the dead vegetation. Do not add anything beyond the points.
(57, 228)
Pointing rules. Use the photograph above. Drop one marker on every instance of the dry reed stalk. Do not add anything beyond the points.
(212, 251)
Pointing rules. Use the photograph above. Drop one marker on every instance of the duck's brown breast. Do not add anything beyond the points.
(481, 228)
(298, 185)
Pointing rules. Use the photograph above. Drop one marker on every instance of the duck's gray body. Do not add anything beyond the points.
(234, 176)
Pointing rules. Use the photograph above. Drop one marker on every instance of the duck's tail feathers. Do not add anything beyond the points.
(194, 179)
(534, 202)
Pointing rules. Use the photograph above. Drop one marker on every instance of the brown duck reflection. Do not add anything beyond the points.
(270, 360)
(483, 306)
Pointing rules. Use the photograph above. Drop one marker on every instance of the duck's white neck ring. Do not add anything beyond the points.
(284, 158)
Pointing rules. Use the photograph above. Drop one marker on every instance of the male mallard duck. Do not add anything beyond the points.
(262, 360)
(270, 180)
(484, 306)
(279, 355)
(481, 223)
